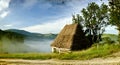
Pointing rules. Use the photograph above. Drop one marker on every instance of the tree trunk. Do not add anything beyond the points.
(119, 35)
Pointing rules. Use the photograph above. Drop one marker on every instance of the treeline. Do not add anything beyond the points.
(33, 36)
(48, 36)
(95, 18)
(14, 37)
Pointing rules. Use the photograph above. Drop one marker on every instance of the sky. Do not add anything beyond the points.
(42, 16)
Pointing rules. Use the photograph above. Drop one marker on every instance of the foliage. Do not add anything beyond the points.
(77, 19)
(12, 36)
(109, 38)
(94, 19)
(115, 14)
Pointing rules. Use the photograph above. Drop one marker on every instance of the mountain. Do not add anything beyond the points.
(20, 32)
(11, 42)
(13, 36)
(35, 36)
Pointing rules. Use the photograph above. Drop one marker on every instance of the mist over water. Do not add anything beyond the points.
(39, 45)
(28, 46)
(11, 46)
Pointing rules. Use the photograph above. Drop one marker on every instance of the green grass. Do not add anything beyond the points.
(111, 36)
(95, 51)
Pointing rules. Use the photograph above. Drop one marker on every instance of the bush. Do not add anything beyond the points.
(108, 40)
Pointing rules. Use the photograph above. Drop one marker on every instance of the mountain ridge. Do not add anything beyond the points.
(30, 35)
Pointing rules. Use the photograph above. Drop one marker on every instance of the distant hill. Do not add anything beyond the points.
(13, 36)
(110, 37)
(20, 32)
(30, 35)
(11, 42)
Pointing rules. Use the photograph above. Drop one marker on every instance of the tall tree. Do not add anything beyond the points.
(94, 19)
(115, 14)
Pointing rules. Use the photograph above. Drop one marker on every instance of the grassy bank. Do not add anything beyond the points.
(95, 51)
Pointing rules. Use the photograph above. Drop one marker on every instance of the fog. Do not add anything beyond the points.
(28, 46)
(39, 45)
(12, 46)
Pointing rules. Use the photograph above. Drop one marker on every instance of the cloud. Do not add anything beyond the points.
(57, 25)
(29, 3)
(9, 25)
(4, 14)
(4, 5)
(53, 27)
(111, 30)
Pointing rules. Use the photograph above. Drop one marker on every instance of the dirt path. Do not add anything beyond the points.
(97, 61)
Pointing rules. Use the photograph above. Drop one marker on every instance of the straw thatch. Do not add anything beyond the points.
(70, 38)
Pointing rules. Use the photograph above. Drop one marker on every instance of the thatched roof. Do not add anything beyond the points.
(71, 37)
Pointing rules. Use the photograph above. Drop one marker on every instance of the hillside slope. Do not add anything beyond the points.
(30, 35)
(11, 42)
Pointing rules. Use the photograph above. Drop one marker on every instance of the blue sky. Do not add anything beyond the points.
(41, 16)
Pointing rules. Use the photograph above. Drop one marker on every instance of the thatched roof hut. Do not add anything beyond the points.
(70, 38)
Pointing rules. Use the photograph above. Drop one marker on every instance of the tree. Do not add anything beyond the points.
(115, 14)
(94, 18)
(77, 19)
